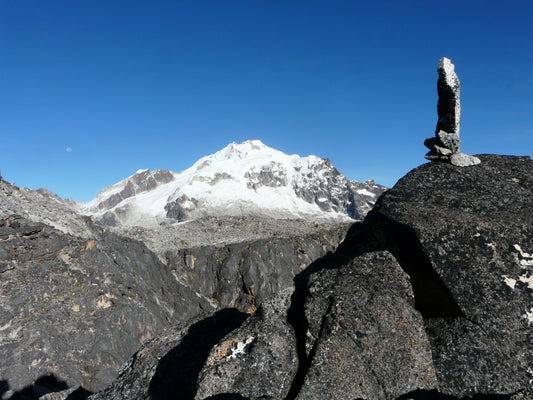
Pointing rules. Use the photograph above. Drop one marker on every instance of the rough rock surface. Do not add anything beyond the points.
(78, 308)
(43, 206)
(140, 182)
(223, 231)
(365, 339)
(449, 104)
(262, 350)
(170, 363)
(464, 237)
(244, 274)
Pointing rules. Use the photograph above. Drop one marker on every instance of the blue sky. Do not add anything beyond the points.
(126, 85)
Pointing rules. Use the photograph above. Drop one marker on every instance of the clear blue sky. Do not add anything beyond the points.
(125, 85)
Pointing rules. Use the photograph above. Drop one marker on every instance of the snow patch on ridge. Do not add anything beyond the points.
(366, 192)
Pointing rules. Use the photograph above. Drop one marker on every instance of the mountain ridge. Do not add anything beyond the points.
(246, 179)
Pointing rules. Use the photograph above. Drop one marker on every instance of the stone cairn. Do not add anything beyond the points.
(445, 146)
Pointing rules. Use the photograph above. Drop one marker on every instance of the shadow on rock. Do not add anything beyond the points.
(44, 385)
(4, 387)
(375, 233)
(178, 370)
(436, 395)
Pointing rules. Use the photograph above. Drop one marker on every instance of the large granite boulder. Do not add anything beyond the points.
(464, 235)
(364, 337)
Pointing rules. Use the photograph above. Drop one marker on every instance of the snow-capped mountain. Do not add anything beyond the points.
(247, 179)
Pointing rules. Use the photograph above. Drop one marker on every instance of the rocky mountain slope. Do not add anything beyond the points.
(76, 300)
(247, 179)
(430, 297)
(43, 206)
(79, 308)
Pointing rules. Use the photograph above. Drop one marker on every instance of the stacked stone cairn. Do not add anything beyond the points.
(445, 146)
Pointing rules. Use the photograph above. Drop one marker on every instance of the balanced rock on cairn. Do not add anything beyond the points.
(445, 146)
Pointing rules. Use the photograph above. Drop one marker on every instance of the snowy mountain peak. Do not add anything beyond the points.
(242, 179)
(250, 149)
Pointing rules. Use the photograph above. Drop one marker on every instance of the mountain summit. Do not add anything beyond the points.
(246, 179)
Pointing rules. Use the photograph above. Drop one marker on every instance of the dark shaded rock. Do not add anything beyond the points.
(170, 364)
(46, 387)
(449, 104)
(183, 208)
(79, 308)
(243, 275)
(464, 237)
(437, 148)
(142, 181)
(262, 351)
(365, 339)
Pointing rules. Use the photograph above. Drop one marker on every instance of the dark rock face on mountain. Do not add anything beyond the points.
(77, 307)
(243, 275)
(140, 182)
(431, 297)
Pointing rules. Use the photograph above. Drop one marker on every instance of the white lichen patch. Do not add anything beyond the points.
(492, 246)
(509, 281)
(103, 301)
(526, 263)
(6, 326)
(529, 316)
(527, 279)
(523, 254)
(239, 348)
(523, 258)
